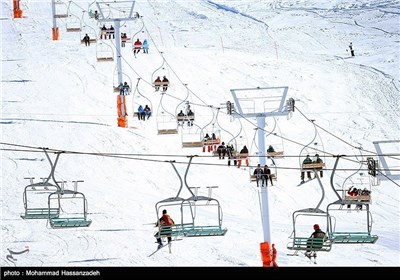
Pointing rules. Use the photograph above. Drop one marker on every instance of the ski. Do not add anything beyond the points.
(158, 249)
(312, 256)
(304, 182)
(169, 246)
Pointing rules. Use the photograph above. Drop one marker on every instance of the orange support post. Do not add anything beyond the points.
(121, 105)
(123, 122)
(17, 10)
(268, 257)
(55, 33)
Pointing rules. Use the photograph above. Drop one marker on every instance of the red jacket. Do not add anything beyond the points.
(166, 220)
(138, 44)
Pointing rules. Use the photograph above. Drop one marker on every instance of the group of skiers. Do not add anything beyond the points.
(353, 191)
(229, 151)
(164, 83)
(308, 160)
(189, 117)
(138, 45)
(107, 32)
(143, 112)
(263, 175)
(124, 89)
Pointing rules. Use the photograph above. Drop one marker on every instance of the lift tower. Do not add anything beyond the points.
(116, 12)
(17, 9)
(261, 103)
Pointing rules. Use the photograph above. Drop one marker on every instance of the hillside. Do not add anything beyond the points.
(56, 95)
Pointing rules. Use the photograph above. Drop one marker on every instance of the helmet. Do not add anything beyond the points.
(316, 227)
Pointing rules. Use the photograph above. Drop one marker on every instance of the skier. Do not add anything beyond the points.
(145, 46)
(221, 150)
(267, 175)
(164, 224)
(351, 49)
(141, 113)
(259, 173)
(86, 40)
(126, 89)
(157, 83)
(165, 83)
(307, 160)
(319, 160)
(311, 244)
(244, 153)
(137, 47)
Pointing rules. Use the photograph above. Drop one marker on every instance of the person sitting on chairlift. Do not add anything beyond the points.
(307, 160)
(318, 233)
(126, 89)
(164, 223)
(190, 115)
(221, 150)
(267, 175)
(111, 32)
(86, 40)
(229, 152)
(137, 46)
(318, 160)
(157, 83)
(141, 113)
(243, 152)
(165, 83)
(270, 149)
(181, 118)
(259, 174)
(147, 111)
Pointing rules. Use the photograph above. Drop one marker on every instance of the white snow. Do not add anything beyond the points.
(56, 95)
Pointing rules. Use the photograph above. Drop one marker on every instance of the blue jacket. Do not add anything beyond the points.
(140, 109)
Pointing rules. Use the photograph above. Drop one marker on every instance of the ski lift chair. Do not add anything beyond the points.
(191, 137)
(35, 201)
(74, 209)
(350, 236)
(61, 9)
(306, 243)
